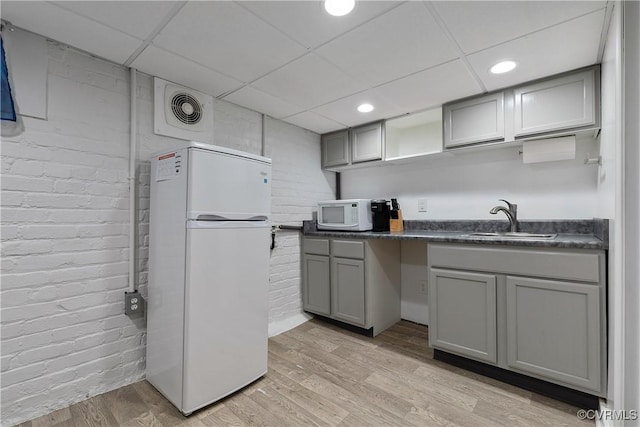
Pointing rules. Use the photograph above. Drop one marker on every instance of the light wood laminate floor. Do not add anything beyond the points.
(322, 375)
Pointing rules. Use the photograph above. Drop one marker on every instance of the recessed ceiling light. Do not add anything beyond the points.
(503, 67)
(339, 7)
(365, 108)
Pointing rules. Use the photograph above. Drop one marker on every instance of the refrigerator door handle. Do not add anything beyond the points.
(227, 216)
(213, 217)
(228, 224)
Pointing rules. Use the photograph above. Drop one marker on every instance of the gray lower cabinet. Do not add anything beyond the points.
(317, 283)
(553, 330)
(535, 311)
(462, 313)
(353, 281)
(347, 290)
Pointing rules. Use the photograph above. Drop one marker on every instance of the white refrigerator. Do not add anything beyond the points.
(209, 239)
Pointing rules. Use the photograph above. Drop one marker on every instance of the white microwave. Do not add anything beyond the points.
(345, 215)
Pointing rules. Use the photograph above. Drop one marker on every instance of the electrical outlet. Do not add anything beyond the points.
(133, 303)
(422, 205)
(422, 286)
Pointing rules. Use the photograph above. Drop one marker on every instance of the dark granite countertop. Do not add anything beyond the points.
(577, 234)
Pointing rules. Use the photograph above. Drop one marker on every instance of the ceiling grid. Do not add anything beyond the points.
(292, 61)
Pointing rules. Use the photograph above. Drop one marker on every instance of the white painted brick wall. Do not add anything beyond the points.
(65, 232)
(298, 183)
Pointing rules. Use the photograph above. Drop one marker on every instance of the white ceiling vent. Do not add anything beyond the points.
(182, 113)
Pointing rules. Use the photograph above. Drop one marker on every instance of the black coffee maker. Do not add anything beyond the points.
(380, 215)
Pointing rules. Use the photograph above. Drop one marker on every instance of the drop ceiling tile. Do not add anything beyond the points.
(564, 47)
(225, 37)
(432, 87)
(314, 122)
(67, 27)
(402, 41)
(477, 25)
(257, 100)
(168, 66)
(308, 82)
(345, 110)
(308, 22)
(136, 18)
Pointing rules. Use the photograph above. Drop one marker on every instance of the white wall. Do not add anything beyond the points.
(467, 185)
(631, 214)
(65, 231)
(64, 244)
(610, 136)
(414, 279)
(609, 201)
(298, 184)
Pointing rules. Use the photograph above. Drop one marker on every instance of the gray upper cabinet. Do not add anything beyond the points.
(557, 104)
(462, 313)
(563, 105)
(476, 120)
(335, 149)
(366, 143)
(342, 149)
(553, 330)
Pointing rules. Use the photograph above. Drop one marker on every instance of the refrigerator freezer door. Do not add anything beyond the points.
(228, 186)
(226, 298)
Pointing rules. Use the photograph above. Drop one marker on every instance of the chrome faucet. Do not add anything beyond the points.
(511, 212)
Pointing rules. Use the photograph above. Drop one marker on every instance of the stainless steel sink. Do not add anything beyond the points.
(515, 235)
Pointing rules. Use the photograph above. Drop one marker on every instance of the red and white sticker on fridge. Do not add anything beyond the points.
(169, 166)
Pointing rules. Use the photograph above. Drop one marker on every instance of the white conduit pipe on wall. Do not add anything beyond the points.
(132, 179)
(262, 150)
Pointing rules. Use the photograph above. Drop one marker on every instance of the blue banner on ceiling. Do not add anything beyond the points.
(8, 108)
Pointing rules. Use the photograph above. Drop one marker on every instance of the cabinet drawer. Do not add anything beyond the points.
(347, 249)
(552, 263)
(316, 246)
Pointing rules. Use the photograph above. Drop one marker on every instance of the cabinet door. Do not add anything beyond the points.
(316, 284)
(553, 330)
(335, 149)
(476, 120)
(462, 313)
(561, 103)
(347, 290)
(366, 143)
